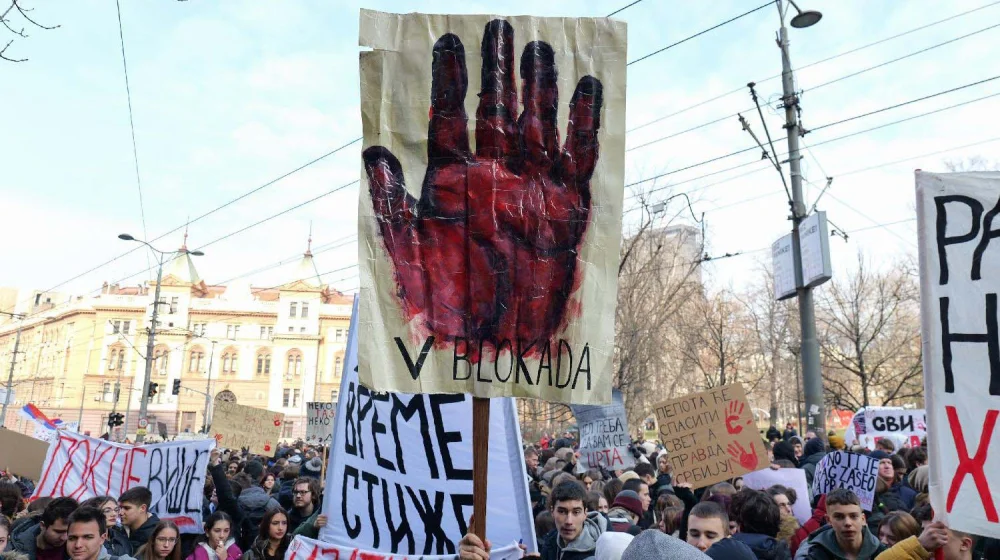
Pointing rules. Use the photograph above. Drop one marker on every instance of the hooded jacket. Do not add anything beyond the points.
(205, 552)
(621, 521)
(812, 453)
(822, 545)
(654, 545)
(140, 536)
(764, 547)
(730, 549)
(581, 548)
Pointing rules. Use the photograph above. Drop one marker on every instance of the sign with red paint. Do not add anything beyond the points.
(82, 467)
(236, 427)
(604, 435)
(959, 280)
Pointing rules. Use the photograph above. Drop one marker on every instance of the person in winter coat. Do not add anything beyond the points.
(664, 480)
(758, 519)
(730, 549)
(163, 544)
(85, 535)
(254, 502)
(217, 543)
(786, 451)
(625, 513)
(116, 543)
(273, 538)
(133, 506)
(937, 535)
(44, 537)
(789, 432)
(847, 535)
(773, 434)
(812, 453)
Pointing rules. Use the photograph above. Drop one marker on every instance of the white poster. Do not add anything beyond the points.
(399, 480)
(604, 435)
(82, 467)
(853, 471)
(959, 277)
(320, 417)
(789, 478)
(906, 428)
(45, 433)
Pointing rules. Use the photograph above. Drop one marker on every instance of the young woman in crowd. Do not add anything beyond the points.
(217, 542)
(4, 533)
(897, 526)
(267, 483)
(107, 505)
(272, 541)
(163, 544)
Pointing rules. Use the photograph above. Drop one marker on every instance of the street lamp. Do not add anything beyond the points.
(150, 341)
(804, 19)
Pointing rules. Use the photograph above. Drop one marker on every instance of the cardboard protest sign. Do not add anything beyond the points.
(904, 427)
(842, 469)
(235, 426)
(400, 474)
(604, 435)
(82, 467)
(959, 274)
(490, 267)
(23, 455)
(789, 478)
(304, 548)
(710, 435)
(320, 418)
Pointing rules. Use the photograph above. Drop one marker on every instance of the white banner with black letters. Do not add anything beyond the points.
(400, 474)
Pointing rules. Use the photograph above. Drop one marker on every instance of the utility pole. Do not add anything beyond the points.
(812, 381)
(79, 420)
(150, 342)
(13, 361)
(208, 389)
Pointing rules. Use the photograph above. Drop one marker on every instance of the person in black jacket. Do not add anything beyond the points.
(758, 519)
(138, 521)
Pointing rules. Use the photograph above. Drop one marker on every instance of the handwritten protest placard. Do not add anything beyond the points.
(235, 426)
(82, 467)
(789, 478)
(710, 435)
(399, 480)
(320, 419)
(959, 279)
(604, 435)
(22, 455)
(853, 471)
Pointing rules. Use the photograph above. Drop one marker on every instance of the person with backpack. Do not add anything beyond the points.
(254, 504)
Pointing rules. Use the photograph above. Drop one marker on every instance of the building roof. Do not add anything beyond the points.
(182, 268)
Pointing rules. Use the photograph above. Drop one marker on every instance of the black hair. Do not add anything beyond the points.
(11, 499)
(923, 513)
(566, 492)
(842, 497)
(756, 512)
(86, 515)
(216, 517)
(59, 508)
(611, 490)
(916, 457)
(544, 524)
(265, 527)
(645, 469)
(785, 491)
(138, 495)
(633, 484)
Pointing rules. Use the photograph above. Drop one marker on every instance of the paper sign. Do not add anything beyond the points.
(46, 434)
(399, 480)
(304, 548)
(320, 418)
(783, 265)
(82, 467)
(903, 427)
(959, 277)
(841, 469)
(789, 478)
(22, 455)
(235, 426)
(490, 217)
(604, 435)
(711, 436)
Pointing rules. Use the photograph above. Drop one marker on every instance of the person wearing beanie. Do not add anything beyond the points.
(627, 476)
(837, 443)
(255, 469)
(313, 468)
(812, 453)
(654, 545)
(625, 512)
(610, 546)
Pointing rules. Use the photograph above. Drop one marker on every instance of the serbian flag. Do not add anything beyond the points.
(31, 412)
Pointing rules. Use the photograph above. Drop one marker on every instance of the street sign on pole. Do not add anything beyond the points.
(143, 423)
(783, 265)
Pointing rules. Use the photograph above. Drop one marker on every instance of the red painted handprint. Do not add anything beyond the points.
(746, 459)
(490, 249)
(218, 438)
(277, 420)
(733, 413)
(267, 446)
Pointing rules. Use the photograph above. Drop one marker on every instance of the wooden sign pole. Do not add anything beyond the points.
(480, 464)
(326, 459)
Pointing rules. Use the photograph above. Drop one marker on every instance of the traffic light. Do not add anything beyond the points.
(177, 387)
(116, 419)
(152, 389)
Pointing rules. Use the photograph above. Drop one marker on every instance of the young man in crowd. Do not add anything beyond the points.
(708, 531)
(134, 507)
(305, 499)
(531, 463)
(642, 489)
(847, 536)
(86, 535)
(758, 519)
(46, 539)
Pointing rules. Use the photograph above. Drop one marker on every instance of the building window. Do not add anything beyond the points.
(302, 329)
(187, 421)
(286, 431)
(263, 364)
(173, 304)
(116, 328)
(263, 333)
(160, 357)
(294, 364)
(336, 364)
(296, 394)
(291, 309)
(285, 396)
(291, 329)
(270, 332)
(199, 329)
(305, 310)
(106, 393)
(126, 327)
(230, 359)
(334, 393)
(117, 359)
(196, 357)
(338, 335)
(259, 395)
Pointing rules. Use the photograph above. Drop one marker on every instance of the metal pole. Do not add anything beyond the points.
(208, 390)
(151, 340)
(812, 381)
(79, 420)
(10, 376)
(128, 409)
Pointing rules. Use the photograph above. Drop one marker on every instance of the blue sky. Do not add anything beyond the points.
(229, 95)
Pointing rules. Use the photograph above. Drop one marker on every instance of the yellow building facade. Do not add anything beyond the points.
(82, 358)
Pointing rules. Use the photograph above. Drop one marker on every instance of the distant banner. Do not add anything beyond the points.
(853, 471)
(399, 480)
(82, 467)
(604, 435)
(235, 426)
(789, 478)
(710, 436)
(44, 433)
(303, 548)
(320, 417)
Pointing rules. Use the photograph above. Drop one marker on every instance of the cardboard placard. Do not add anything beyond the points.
(789, 478)
(508, 293)
(235, 426)
(604, 435)
(23, 455)
(959, 279)
(82, 467)
(710, 435)
(320, 419)
(853, 471)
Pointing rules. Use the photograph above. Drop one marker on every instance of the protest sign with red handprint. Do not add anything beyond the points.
(493, 272)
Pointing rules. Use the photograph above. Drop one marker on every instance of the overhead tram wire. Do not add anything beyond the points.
(623, 8)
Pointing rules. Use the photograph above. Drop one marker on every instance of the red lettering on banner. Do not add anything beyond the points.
(972, 466)
(45, 476)
(129, 479)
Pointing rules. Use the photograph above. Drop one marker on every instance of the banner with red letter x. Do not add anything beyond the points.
(959, 277)
(490, 212)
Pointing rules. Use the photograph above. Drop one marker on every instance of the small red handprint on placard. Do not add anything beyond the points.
(218, 438)
(733, 413)
(277, 420)
(746, 459)
(267, 446)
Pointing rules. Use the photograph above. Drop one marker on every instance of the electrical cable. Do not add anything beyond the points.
(623, 8)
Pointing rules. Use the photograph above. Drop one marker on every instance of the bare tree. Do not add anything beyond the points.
(771, 324)
(870, 337)
(717, 340)
(16, 9)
